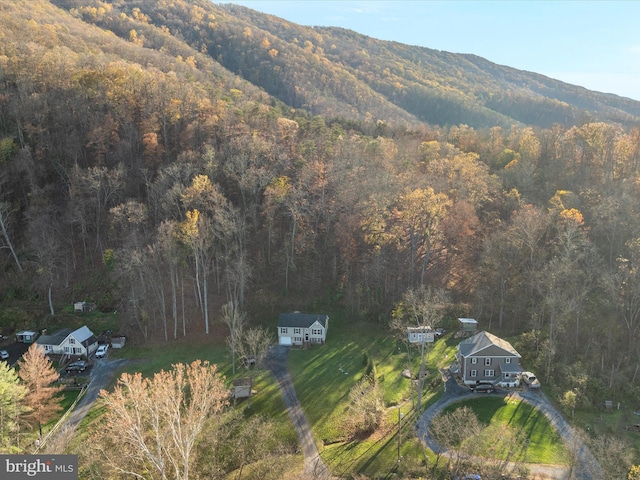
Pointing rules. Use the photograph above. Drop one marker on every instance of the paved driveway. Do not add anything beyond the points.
(314, 467)
(586, 467)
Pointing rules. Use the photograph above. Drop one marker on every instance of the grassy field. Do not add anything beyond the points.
(323, 376)
(514, 430)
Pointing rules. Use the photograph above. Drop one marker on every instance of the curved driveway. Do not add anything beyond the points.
(586, 466)
(101, 373)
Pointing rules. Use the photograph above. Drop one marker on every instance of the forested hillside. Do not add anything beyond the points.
(161, 154)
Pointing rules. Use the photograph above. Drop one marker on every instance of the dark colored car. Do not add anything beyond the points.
(483, 388)
(79, 366)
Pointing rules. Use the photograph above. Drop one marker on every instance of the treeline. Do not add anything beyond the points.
(153, 182)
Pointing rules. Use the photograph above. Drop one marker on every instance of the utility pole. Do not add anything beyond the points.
(399, 432)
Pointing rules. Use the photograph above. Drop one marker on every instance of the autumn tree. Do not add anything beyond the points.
(153, 424)
(38, 374)
(414, 225)
(614, 456)
(12, 394)
(366, 406)
(451, 429)
(209, 232)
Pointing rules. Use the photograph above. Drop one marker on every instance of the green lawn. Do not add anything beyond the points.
(267, 400)
(324, 374)
(515, 430)
(323, 390)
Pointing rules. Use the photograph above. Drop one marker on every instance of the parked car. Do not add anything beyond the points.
(439, 332)
(483, 388)
(102, 351)
(530, 379)
(79, 366)
(4, 354)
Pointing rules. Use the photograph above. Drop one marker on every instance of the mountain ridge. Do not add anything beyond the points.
(337, 72)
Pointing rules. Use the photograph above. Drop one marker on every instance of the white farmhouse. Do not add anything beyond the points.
(80, 342)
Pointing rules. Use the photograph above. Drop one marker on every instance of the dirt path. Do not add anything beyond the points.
(585, 465)
(314, 467)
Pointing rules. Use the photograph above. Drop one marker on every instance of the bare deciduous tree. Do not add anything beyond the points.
(450, 430)
(153, 424)
(234, 318)
(366, 406)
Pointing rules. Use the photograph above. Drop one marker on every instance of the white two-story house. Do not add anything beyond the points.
(302, 328)
(78, 343)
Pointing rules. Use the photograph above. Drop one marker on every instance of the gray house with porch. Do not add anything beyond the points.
(485, 358)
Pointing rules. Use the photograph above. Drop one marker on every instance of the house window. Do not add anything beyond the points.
(296, 330)
(474, 373)
(298, 339)
(71, 340)
(489, 373)
(507, 360)
(317, 331)
(487, 361)
(474, 361)
(283, 330)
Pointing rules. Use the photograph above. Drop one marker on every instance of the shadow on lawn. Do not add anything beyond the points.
(372, 451)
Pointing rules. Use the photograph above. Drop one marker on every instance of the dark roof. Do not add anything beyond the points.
(242, 382)
(303, 320)
(55, 338)
(484, 340)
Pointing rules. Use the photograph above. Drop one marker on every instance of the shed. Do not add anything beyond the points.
(118, 342)
(242, 388)
(468, 325)
(84, 307)
(26, 336)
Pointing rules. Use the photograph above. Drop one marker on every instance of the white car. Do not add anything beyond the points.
(4, 354)
(530, 379)
(102, 351)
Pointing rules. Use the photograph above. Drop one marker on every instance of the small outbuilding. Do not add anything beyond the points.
(242, 388)
(118, 342)
(26, 336)
(468, 326)
(84, 307)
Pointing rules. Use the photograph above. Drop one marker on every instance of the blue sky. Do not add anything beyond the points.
(594, 44)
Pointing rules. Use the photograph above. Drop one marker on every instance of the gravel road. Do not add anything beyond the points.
(314, 467)
(586, 467)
